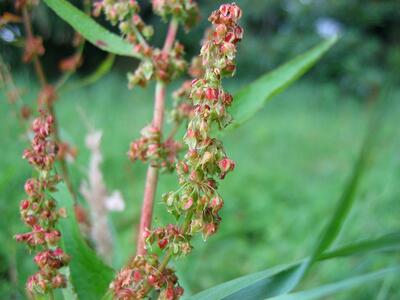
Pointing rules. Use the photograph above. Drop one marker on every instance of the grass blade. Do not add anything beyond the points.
(271, 280)
(389, 241)
(333, 288)
(346, 201)
(104, 67)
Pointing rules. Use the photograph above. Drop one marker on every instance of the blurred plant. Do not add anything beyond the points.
(33, 50)
(99, 201)
(14, 95)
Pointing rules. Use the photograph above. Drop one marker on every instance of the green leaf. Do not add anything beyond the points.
(101, 70)
(333, 288)
(231, 287)
(91, 30)
(104, 67)
(250, 99)
(89, 275)
(276, 280)
(388, 242)
(346, 201)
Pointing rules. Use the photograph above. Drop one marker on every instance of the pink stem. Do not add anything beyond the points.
(152, 172)
(170, 39)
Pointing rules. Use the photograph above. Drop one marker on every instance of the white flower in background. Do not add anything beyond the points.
(115, 202)
(9, 33)
(328, 27)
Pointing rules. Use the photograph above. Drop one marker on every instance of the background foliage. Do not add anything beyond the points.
(367, 55)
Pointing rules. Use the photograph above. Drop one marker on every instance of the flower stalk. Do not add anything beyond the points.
(152, 171)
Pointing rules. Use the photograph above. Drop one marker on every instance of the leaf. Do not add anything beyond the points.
(104, 67)
(91, 30)
(333, 288)
(101, 70)
(250, 99)
(230, 287)
(346, 201)
(270, 280)
(389, 241)
(89, 275)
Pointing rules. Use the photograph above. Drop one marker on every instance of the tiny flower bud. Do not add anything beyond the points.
(59, 281)
(152, 279)
(24, 204)
(30, 187)
(226, 165)
(162, 243)
(146, 233)
(31, 220)
(137, 276)
(212, 94)
(208, 230)
(62, 212)
(188, 204)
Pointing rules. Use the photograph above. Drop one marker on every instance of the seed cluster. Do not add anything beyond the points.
(149, 147)
(39, 211)
(156, 63)
(183, 106)
(143, 273)
(186, 11)
(33, 47)
(125, 14)
(197, 200)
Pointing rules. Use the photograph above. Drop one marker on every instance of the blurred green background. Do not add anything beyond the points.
(293, 158)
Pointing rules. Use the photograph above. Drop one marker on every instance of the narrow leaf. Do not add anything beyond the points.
(330, 289)
(250, 99)
(104, 67)
(387, 242)
(89, 275)
(230, 287)
(347, 199)
(91, 30)
(270, 280)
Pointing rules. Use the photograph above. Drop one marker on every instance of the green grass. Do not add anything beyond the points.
(292, 161)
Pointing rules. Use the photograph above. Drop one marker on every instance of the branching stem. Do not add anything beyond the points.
(152, 171)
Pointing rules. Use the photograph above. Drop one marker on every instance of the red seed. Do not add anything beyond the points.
(163, 243)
